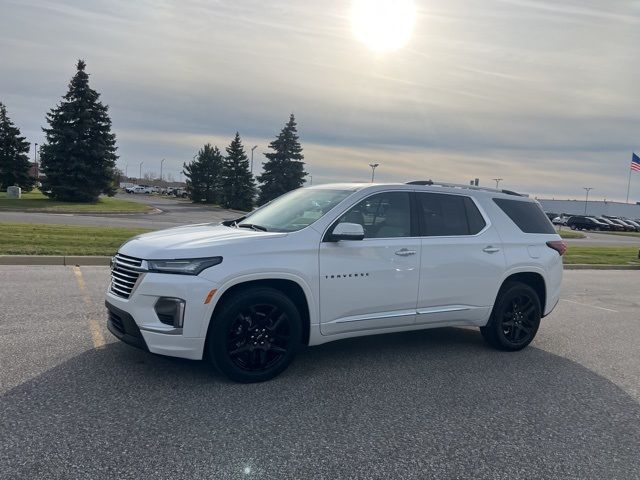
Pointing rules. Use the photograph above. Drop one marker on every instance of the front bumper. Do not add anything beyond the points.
(124, 327)
(135, 322)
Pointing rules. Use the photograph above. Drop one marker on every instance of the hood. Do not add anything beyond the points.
(191, 241)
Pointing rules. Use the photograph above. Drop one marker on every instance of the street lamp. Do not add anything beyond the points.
(252, 149)
(498, 180)
(126, 167)
(161, 169)
(373, 170)
(35, 160)
(588, 189)
(140, 177)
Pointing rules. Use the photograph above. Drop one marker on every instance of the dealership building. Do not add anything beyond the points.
(577, 207)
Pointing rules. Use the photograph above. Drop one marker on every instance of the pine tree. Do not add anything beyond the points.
(14, 155)
(79, 157)
(238, 188)
(204, 175)
(284, 170)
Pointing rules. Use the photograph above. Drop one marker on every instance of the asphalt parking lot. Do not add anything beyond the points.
(76, 403)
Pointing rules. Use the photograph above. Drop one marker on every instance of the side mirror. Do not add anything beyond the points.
(347, 231)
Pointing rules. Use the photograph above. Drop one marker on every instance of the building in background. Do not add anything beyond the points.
(577, 207)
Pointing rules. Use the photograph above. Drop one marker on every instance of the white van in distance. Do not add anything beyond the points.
(335, 261)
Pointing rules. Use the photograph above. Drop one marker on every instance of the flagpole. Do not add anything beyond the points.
(629, 183)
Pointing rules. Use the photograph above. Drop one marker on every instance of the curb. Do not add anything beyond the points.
(586, 266)
(69, 260)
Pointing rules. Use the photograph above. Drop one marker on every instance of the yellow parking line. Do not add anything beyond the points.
(96, 335)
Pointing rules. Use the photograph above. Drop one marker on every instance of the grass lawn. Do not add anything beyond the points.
(35, 201)
(570, 234)
(36, 239)
(602, 255)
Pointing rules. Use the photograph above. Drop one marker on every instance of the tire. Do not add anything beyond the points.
(501, 332)
(572, 227)
(254, 335)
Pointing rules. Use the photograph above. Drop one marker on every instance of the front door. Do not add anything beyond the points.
(371, 283)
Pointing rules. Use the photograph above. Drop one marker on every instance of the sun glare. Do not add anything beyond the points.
(383, 25)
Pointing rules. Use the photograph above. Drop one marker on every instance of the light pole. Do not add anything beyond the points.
(35, 160)
(588, 189)
(373, 170)
(140, 177)
(252, 149)
(498, 180)
(161, 169)
(126, 167)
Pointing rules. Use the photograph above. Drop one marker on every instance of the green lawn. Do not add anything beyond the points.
(35, 201)
(602, 255)
(570, 234)
(36, 239)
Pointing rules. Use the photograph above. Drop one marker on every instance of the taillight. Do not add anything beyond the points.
(558, 245)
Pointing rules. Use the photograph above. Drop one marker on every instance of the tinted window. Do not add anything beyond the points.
(384, 215)
(444, 214)
(528, 216)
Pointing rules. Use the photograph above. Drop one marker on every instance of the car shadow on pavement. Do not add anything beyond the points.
(433, 403)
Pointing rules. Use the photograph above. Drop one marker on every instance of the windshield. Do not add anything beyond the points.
(295, 210)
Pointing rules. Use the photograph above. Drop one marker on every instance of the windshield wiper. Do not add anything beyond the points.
(253, 226)
(233, 222)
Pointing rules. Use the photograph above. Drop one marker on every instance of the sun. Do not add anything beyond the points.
(383, 25)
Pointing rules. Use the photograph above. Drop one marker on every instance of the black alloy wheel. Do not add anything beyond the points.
(254, 334)
(258, 337)
(515, 318)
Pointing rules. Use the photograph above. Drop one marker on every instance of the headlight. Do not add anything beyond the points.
(183, 266)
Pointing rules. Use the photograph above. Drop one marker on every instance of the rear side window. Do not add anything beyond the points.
(528, 216)
(445, 215)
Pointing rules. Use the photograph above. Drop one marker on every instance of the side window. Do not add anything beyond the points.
(444, 215)
(527, 215)
(474, 217)
(384, 215)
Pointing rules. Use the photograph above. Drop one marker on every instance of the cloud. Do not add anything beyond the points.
(543, 92)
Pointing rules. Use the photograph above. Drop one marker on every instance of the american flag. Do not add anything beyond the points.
(635, 163)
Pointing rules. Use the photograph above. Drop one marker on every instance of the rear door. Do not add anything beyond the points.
(372, 283)
(462, 262)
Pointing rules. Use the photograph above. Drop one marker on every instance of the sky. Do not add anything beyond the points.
(542, 93)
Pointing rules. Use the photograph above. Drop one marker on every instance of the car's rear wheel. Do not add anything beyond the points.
(515, 318)
(572, 227)
(254, 335)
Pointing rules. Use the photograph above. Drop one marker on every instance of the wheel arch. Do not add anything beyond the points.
(294, 288)
(533, 279)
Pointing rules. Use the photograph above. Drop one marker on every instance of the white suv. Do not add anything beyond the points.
(336, 261)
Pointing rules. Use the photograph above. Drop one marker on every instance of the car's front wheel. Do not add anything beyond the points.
(515, 318)
(254, 335)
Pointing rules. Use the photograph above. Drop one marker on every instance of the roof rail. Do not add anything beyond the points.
(462, 185)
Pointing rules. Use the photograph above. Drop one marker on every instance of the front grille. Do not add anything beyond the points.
(124, 274)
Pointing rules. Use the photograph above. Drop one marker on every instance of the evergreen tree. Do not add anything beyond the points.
(238, 188)
(284, 170)
(204, 175)
(14, 155)
(79, 157)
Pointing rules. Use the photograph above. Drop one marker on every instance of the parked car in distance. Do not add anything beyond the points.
(614, 227)
(618, 221)
(580, 222)
(335, 261)
(633, 223)
(139, 189)
(560, 220)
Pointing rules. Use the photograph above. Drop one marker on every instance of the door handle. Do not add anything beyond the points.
(490, 249)
(405, 252)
